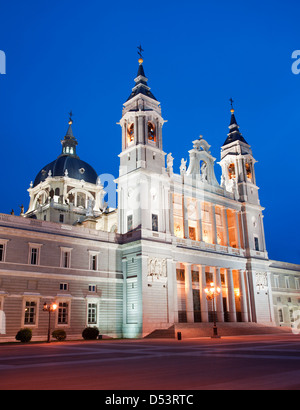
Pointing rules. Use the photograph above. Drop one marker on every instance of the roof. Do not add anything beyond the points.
(67, 165)
(141, 86)
(234, 134)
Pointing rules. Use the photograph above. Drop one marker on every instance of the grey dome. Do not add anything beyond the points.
(76, 168)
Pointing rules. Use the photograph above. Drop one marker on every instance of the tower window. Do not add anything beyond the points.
(256, 243)
(151, 132)
(231, 171)
(130, 133)
(154, 222)
(248, 171)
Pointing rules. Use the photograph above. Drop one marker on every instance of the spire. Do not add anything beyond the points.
(141, 86)
(234, 133)
(69, 142)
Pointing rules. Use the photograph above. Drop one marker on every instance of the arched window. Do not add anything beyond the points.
(81, 200)
(248, 171)
(231, 171)
(151, 132)
(130, 133)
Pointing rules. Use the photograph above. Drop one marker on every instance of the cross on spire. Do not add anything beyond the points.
(70, 117)
(140, 51)
(231, 102)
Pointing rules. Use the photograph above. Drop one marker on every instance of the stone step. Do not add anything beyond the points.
(190, 330)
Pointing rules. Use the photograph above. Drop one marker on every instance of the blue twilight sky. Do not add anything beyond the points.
(75, 55)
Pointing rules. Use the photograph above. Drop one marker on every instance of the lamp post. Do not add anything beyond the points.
(211, 292)
(51, 307)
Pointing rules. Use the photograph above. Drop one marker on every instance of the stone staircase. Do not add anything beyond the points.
(191, 330)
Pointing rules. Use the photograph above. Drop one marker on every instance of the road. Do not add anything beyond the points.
(229, 363)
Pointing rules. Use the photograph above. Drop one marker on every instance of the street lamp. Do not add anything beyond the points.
(51, 307)
(211, 292)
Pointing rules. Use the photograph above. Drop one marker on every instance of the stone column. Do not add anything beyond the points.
(243, 296)
(231, 297)
(189, 292)
(175, 292)
(219, 298)
(214, 224)
(237, 229)
(199, 221)
(226, 226)
(171, 287)
(203, 300)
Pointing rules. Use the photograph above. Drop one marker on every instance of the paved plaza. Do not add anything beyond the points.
(229, 363)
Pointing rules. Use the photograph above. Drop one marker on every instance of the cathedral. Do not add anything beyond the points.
(179, 249)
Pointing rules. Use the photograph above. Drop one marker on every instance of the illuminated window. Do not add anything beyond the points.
(231, 171)
(63, 313)
(130, 133)
(30, 313)
(151, 132)
(92, 313)
(248, 171)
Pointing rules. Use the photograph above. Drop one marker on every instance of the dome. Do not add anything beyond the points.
(68, 163)
(75, 167)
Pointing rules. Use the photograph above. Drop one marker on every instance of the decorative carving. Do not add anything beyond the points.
(170, 160)
(261, 281)
(157, 267)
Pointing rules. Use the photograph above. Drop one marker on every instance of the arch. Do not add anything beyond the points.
(80, 197)
(130, 133)
(40, 198)
(151, 132)
(231, 171)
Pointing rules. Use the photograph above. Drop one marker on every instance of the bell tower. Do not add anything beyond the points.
(237, 164)
(141, 124)
(238, 177)
(142, 191)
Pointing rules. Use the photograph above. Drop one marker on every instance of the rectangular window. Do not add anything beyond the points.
(61, 218)
(65, 257)
(129, 222)
(30, 313)
(93, 262)
(92, 288)
(276, 281)
(1, 252)
(154, 222)
(63, 311)
(92, 313)
(3, 243)
(280, 315)
(287, 282)
(63, 286)
(34, 254)
(192, 233)
(256, 243)
(180, 275)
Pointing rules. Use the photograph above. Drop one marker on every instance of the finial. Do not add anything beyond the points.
(140, 54)
(70, 117)
(231, 103)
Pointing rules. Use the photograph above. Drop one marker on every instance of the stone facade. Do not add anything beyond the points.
(145, 265)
